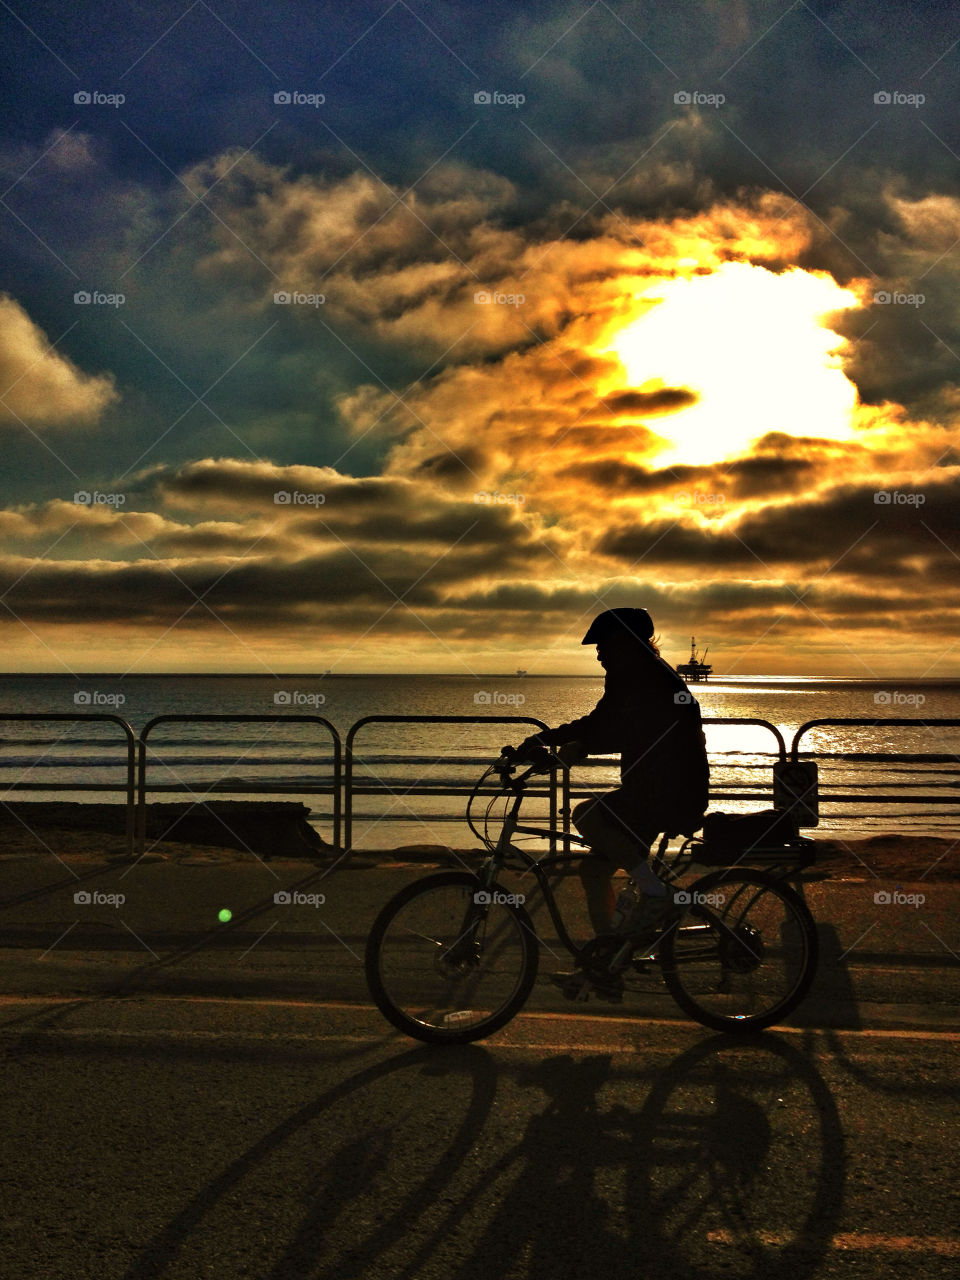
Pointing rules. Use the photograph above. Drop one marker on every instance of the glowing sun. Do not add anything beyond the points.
(752, 345)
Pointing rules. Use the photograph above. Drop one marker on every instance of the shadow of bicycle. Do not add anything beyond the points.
(464, 1162)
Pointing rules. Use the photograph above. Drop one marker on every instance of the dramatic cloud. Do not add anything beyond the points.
(39, 386)
(530, 316)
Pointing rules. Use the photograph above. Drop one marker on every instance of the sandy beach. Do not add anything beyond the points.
(887, 857)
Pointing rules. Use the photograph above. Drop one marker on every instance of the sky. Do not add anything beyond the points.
(410, 336)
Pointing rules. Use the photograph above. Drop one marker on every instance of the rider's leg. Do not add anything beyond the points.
(613, 844)
(596, 876)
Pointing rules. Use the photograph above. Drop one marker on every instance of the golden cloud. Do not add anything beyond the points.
(38, 385)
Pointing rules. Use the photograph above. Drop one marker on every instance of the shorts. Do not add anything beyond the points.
(617, 828)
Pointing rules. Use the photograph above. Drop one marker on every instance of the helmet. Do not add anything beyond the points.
(632, 622)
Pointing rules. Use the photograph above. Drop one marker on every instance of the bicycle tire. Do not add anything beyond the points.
(524, 934)
(672, 962)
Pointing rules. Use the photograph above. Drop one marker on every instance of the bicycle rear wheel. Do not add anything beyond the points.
(446, 968)
(744, 953)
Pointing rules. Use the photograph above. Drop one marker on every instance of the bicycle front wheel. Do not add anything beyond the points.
(744, 953)
(445, 966)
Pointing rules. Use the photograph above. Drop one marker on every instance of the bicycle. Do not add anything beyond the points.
(454, 956)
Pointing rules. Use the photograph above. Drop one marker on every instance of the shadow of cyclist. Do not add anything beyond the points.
(690, 1185)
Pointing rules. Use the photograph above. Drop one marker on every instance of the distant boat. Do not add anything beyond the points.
(695, 669)
(521, 671)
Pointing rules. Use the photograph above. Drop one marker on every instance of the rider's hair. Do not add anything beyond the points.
(652, 644)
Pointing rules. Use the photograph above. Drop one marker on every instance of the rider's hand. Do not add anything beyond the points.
(572, 753)
(529, 747)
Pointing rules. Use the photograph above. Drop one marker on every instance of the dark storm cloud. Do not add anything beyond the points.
(743, 478)
(911, 532)
(666, 400)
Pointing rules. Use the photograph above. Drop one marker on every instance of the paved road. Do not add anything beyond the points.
(181, 1098)
(169, 1137)
(890, 964)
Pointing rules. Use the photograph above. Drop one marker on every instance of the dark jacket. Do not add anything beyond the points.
(663, 755)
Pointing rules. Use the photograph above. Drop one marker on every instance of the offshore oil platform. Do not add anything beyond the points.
(694, 670)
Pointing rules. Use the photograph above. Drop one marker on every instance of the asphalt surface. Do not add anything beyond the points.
(182, 1096)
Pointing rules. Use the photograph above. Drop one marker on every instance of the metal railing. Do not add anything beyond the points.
(345, 786)
(822, 756)
(558, 808)
(336, 789)
(129, 788)
(424, 788)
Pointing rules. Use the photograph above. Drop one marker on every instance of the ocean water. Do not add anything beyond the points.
(897, 778)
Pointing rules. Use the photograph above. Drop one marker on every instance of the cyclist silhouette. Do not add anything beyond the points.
(649, 716)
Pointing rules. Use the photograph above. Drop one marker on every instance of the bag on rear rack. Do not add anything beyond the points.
(741, 833)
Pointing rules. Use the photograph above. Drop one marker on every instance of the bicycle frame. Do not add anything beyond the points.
(505, 849)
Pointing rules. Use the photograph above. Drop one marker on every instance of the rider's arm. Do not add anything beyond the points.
(599, 731)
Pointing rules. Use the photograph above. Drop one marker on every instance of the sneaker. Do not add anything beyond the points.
(592, 975)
